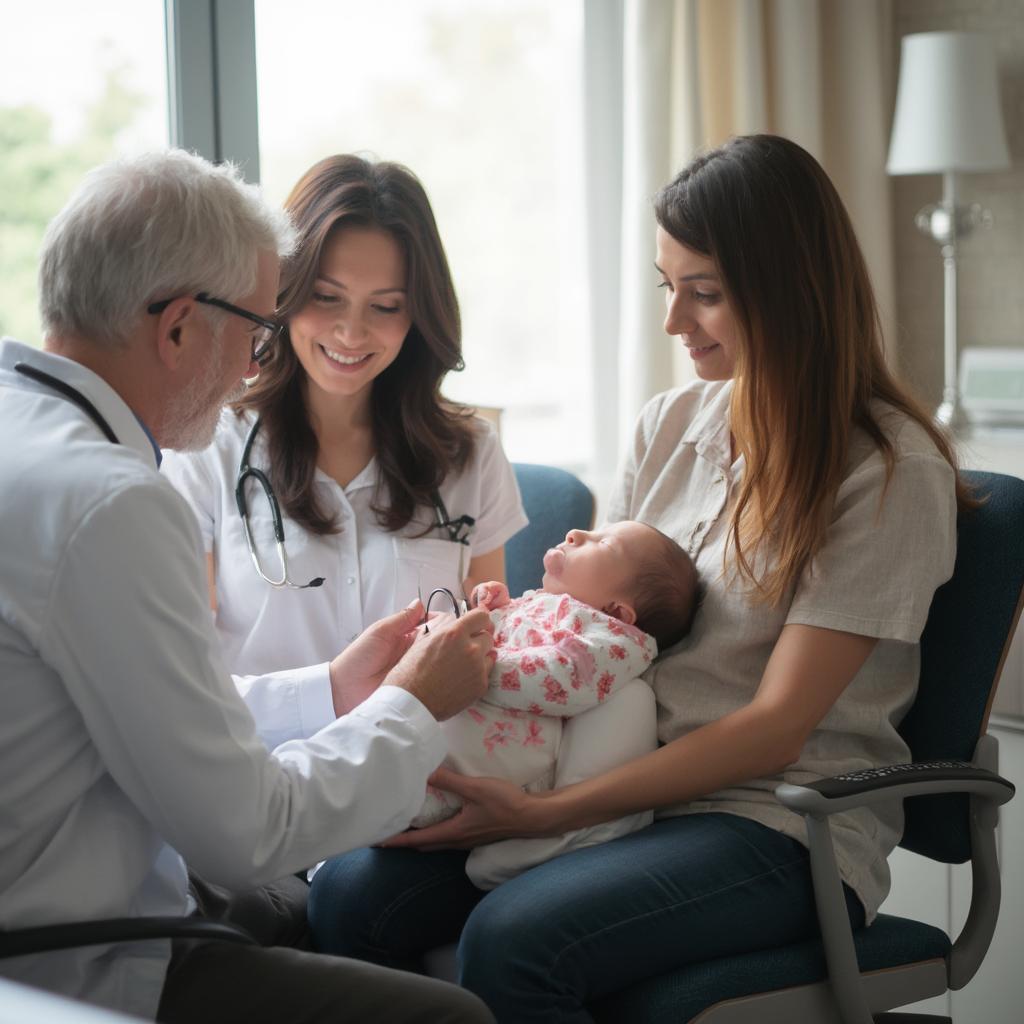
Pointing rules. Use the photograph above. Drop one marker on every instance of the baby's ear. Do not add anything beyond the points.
(620, 610)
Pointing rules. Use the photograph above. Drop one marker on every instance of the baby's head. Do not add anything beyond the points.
(631, 571)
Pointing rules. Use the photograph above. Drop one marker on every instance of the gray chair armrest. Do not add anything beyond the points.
(818, 800)
(894, 782)
(46, 938)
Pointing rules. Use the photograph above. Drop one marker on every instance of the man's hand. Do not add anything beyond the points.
(446, 669)
(362, 666)
(489, 596)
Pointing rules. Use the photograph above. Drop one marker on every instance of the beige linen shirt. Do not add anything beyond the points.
(888, 548)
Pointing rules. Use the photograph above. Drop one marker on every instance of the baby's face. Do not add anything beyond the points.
(599, 566)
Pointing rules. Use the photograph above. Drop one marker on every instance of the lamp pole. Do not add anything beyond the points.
(947, 223)
(948, 119)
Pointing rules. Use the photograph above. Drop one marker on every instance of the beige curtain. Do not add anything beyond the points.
(695, 72)
(818, 72)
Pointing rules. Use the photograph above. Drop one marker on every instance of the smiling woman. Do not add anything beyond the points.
(347, 424)
(443, 86)
(353, 327)
(695, 308)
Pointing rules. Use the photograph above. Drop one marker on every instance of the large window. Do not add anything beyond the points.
(79, 84)
(481, 98)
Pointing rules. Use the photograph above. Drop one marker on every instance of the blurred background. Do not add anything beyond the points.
(540, 129)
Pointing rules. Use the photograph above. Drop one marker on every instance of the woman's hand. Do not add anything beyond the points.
(492, 809)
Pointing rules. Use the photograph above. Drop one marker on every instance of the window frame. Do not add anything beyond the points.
(211, 81)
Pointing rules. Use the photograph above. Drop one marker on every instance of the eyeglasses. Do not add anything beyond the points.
(262, 341)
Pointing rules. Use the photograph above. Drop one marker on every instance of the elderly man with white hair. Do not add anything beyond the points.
(126, 750)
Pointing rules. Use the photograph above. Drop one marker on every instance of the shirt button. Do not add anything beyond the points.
(350, 579)
(700, 525)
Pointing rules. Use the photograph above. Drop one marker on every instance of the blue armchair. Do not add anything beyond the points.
(555, 502)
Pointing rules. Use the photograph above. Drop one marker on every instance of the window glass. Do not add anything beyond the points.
(79, 84)
(481, 99)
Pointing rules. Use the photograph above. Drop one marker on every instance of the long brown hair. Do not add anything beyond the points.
(419, 436)
(810, 358)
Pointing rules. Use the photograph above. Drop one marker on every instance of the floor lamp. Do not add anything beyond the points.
(948, 120)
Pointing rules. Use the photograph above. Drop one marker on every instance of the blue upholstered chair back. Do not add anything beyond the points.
(962, 652)
(555, 502)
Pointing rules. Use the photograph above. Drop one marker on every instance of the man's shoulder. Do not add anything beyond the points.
(70, 485)
(88, 510)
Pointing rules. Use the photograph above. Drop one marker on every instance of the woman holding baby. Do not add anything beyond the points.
(796, 473)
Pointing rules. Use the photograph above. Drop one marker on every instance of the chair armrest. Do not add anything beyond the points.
(818, 800)
(47, 938)
(894, 782)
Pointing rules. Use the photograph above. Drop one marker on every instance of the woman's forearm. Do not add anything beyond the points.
(747, 744)
(809, 668)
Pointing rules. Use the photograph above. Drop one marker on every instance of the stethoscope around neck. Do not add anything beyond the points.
(65, 390)
(456, 530)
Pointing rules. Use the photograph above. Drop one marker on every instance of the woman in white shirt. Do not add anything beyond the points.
(386, 490)
(818, 502)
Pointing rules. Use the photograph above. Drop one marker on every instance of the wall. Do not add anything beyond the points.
(991, 267)
(991, 297)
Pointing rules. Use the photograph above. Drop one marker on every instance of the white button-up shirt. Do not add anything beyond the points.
(368, 572)
(124, 744)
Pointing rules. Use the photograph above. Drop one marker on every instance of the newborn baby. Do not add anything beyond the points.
(611, 598)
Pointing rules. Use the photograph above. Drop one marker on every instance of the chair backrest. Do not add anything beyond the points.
(555, 502)
(970, 625)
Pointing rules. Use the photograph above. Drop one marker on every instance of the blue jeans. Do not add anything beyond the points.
(585, 924)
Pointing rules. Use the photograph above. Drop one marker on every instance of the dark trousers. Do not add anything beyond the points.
(547, 946)
(282, 982)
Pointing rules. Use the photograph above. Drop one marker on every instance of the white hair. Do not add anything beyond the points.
(147, 228)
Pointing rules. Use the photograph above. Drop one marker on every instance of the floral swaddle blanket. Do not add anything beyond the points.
(556, 657)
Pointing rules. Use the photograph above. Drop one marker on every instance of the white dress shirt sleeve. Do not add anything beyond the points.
(128, 629)
(289, 705)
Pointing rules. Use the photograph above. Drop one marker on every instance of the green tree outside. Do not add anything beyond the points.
(38, 173)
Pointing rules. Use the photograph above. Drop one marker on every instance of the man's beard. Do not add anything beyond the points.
(193, 415)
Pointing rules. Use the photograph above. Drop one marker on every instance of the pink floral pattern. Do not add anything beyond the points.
(556, 658)
(565, 655)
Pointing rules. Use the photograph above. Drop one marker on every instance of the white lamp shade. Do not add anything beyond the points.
(948, 116)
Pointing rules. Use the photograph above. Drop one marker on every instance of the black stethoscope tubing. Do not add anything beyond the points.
(457, 529)
(71, 394)
(452, 527)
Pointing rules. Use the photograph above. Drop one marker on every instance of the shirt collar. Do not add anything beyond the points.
(130, 430)
(709, 431)
(151, 439)
(366, 477)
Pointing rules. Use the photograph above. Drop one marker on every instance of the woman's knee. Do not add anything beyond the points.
(529, 931)
(389, 905)
(343, 900)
